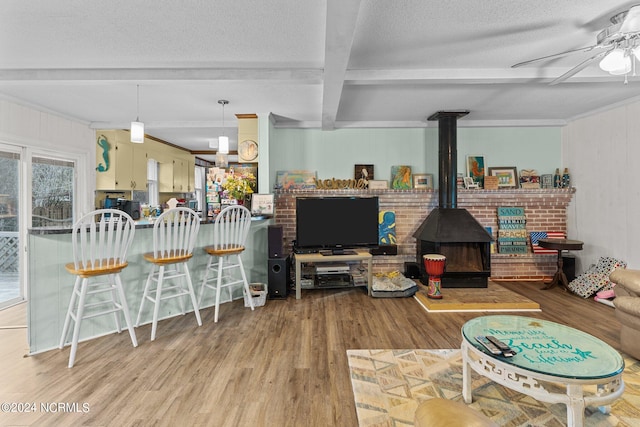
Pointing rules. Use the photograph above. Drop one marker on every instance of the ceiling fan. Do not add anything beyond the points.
(616, 47)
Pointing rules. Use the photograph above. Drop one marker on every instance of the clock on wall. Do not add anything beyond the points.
(247, 150)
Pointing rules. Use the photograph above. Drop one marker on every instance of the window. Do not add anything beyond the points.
(199, 187)
(52, 192)
(152, 182)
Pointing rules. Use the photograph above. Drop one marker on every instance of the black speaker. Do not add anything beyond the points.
(278, 277)
(569, 266)
(411, 270)
(384, 250)
(275, 239)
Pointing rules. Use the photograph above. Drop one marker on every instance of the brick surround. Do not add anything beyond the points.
(545, 210)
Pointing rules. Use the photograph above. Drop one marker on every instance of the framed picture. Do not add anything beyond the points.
(547, 181)
(469, 183)
(262, 204)
(363, 172)
(423, 180)
(401, 177)
(378, 184)
(507, 176)
(475, 169)
(295, 180)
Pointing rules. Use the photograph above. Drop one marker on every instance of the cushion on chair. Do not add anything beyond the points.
(449, 413)
(629, 281)
(596, 277)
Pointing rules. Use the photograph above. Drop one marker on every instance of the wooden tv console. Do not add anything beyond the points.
(318, 258)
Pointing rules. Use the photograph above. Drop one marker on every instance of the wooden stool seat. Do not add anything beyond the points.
(167, 259)
(449, 413)
(217, 251)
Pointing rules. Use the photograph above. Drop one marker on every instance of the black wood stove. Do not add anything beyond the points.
(451, 231)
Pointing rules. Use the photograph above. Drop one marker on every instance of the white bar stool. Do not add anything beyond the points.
(174, 236)
(230, 230)
(100, 242)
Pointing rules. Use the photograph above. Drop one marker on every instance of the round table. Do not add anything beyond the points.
(559, 278)
(553, 363)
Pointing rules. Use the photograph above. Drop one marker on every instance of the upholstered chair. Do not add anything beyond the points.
(627, 304)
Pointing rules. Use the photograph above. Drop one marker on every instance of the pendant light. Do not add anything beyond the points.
(137, 127)
(223, 141)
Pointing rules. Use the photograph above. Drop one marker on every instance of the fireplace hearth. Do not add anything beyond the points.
(451, 231)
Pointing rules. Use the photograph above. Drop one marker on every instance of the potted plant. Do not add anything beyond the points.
(238, 186)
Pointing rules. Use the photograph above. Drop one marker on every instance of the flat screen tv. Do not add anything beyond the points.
(336, 223)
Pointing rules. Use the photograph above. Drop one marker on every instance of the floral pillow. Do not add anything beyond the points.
(596, 277)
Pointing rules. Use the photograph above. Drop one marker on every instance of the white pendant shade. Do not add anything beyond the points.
(137, 132)
(222, 160)
(223, 144)
(614, 61)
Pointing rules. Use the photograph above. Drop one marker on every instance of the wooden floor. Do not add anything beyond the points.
(284, 364)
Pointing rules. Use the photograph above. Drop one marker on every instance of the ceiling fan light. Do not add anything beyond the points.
(223, 144)
(137, 132)
(624, 70)
(615, 60)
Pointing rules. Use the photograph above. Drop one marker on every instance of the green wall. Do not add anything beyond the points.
(333, 154)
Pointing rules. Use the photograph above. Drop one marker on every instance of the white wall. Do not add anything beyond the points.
(333, 154)
(47, 133)
(602, 152)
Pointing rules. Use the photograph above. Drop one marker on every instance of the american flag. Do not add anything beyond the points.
(537, 235)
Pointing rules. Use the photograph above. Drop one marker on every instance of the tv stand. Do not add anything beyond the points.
(317, 258)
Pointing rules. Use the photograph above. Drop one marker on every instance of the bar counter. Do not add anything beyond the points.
(50, 285)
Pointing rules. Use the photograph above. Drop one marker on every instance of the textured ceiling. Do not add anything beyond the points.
(312, 64)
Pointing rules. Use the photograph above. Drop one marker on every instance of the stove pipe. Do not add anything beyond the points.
(447, 156)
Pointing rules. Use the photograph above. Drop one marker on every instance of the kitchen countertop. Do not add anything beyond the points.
(140, 224)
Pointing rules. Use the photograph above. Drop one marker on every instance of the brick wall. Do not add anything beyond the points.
(545, 211)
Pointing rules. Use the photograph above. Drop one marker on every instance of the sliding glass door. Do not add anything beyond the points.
(11, 290)
(43, 198)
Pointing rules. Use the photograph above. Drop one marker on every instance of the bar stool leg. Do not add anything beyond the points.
(204, 280)
(219, 285)
(156, 306)
(114, 301)
(67, 320)
(145, 294)
(245, 282)
(76, 327)
(192, 294)
(125, 310)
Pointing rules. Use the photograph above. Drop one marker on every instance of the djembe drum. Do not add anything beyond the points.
(434, 265)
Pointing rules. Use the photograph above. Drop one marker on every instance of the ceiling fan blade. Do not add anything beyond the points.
(631, 23)
(575, 70)
(556, 55)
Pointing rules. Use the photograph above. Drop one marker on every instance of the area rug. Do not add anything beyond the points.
(388, 386)
(492, 298)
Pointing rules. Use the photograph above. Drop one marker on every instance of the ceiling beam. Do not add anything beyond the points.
(342, 16)
(309, 76)
(471, 76)
(168, 124)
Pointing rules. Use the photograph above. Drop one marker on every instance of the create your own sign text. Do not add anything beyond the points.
(537, 346)
(340, 184)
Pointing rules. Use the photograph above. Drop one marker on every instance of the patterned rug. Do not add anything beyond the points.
(388, 385)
